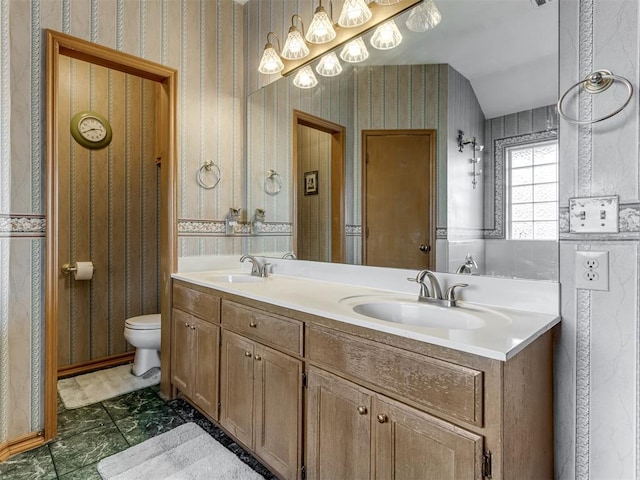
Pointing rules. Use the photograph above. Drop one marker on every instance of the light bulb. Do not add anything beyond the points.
(386, 36)
(321, 29)
(270, 62)
(295, 47)
(355, 51)
(329, 65)
(305, 78)
(354, 13)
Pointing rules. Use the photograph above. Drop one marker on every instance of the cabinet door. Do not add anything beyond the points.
(278, 404)
(338, 428)
(181, 351)
(206, 337)
(236, 386)
(412, 445)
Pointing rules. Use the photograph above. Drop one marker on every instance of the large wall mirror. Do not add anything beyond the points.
(483, 85)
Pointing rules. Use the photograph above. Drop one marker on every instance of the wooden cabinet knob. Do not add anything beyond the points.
(382, 418)
(253, 324)
(247, 354)
(258, 357)
(362, 410)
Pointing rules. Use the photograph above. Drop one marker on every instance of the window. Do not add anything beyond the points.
(532, 191)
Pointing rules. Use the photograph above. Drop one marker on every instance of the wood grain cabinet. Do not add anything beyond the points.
(195, 347)
(261, 400)
(355, 433)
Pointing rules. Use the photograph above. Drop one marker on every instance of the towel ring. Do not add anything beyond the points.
(207, 167)
(273, 183)
(596, 82)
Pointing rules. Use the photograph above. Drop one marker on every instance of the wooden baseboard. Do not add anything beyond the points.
(100, 363)
(19, 445)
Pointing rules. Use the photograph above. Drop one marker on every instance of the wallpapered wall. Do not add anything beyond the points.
(204, 41)
(108, 204)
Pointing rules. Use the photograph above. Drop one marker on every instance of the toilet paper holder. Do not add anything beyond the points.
(68, 269)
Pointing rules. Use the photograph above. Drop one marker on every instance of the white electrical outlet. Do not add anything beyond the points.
(592, 270)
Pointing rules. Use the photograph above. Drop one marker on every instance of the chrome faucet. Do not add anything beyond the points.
(257, 269)
(433, 292)
(469, 262)
(290, 255)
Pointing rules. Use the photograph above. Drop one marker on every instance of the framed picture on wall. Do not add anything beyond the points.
(311, 182)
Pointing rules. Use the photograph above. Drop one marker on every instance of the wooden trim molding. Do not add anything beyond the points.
(60, 44)
(100, 363)
(21, 444)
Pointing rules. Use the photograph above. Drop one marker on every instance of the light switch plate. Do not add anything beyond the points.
(593, 214)
(592, 270)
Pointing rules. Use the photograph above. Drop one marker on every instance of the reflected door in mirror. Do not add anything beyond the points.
(398, 198)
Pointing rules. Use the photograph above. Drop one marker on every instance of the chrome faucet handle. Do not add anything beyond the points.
(419, 279)
(451, 292)
(264, 270)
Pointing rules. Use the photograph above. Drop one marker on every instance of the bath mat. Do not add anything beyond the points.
(184, 453)
(97, 386)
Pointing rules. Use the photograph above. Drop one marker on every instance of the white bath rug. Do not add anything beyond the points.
(97, 386)
(184, 453)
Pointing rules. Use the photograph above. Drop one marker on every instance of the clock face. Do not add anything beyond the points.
(92, 129)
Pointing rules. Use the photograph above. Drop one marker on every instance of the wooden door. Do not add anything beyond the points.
(236, 386)
(206, 337)
(181, 357)
(412, 445)
(338, 428)
(278, 414)
(398, 198)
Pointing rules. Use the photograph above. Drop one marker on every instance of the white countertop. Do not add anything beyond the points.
(506, 331)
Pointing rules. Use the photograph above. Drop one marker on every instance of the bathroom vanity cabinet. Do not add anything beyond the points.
(195, 346)
(319, 398)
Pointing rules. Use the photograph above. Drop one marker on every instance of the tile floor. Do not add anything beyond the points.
(88, 434)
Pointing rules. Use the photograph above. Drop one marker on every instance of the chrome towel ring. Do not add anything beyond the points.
(596, 82)
(272, 183)
(207, 167)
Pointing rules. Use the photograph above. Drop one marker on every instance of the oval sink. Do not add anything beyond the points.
(431, 316)
(233, 278)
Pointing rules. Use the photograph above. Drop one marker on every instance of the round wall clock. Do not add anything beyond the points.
(91, 130)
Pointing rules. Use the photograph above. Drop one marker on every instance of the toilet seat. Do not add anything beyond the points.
(143, 322)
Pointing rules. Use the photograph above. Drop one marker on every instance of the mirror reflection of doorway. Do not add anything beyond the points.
(398, 198)
(318, 172)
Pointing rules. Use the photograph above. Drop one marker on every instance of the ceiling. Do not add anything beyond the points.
(508, 49)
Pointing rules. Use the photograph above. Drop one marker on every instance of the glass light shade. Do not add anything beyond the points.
(423, 17)
(354, 13)
(321, 29)
(295, 47)
(305, 78)
(387, 2)
(386, 36)
(270, 62)
(329, 65)
(355, 51)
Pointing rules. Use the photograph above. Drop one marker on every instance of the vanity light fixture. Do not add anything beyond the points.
(321, 28)
(475, 160)
(295, 46)
(270, 61)
(329, 65)
(423, 17)
(305, 78)
(355, 51)
(354, 13)
(386, 36)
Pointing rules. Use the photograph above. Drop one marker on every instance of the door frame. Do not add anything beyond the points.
(60, 44)
(432, 185)
(338, 166)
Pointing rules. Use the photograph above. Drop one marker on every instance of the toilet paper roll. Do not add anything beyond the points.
(84, 271)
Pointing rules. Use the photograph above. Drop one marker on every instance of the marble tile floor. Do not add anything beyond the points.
(88, 434)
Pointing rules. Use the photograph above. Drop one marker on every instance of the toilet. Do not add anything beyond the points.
(143, 332)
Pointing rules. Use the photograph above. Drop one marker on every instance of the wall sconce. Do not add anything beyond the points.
(296, 53)
(386, 36)
(355, 51)
(305, 78)
(423, 17)
(270, 61)
(475, 160)
(321, 28)
(329, 65)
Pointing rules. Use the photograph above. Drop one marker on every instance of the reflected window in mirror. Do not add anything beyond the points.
(532, 191)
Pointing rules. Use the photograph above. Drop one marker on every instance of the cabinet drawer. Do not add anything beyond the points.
(281, 332)
(445, 387)
(196, 302)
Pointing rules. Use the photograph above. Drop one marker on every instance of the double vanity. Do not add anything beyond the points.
(338, 380)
